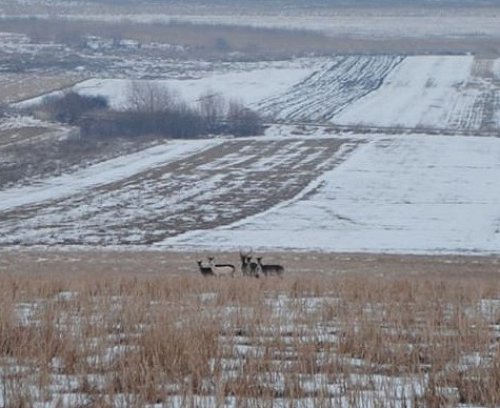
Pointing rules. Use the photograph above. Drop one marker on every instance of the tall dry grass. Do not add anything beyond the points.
(350, 339)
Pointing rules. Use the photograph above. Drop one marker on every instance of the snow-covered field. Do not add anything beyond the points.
(248, 83)
(429, 91)
(415, 194)
(404, 194)
(331, 89)
(247, 86)
(436, 92)
(107, 172)
(145, 197)
(302, 187)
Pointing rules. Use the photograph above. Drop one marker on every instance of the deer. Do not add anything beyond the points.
(248, 268)
(270, 270)
(221, 269)
(205, 270)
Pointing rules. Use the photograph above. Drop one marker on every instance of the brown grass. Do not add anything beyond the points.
(210, 40)
(151, 338)
(207, 37)
(18, 87)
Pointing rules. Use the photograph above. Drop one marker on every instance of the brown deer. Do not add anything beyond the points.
(205, 270)
(221, 269)
(248, 268)
(269, 270)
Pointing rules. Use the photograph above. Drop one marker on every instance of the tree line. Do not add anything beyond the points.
(153, 110)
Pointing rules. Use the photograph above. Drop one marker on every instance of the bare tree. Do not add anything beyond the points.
(212, 108)
(243, 121)
(156, 110)
(147, 97)
(71, 106)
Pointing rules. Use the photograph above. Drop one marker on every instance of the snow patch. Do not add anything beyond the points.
(422, 91)
(102, 173)
(415, 194)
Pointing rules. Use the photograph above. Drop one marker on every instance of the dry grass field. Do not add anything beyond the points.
(122, 328)
(94, 313)
(20, 86)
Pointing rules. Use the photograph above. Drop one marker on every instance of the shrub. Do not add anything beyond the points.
(71, 106)
(213, 108)
(243, 121)
(179, 123)
(153, 110)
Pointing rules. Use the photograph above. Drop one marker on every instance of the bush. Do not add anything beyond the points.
(184, 123)
(243, 121)
(213, 108)
(154, 110)
(71, 106)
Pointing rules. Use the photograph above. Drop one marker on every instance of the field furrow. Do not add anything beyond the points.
(412, 194)
(436, 92)
(217, 186)
(329, 90)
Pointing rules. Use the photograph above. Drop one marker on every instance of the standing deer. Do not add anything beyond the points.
(248, 268)
(205, 270)
(270, 270)
(221, 269)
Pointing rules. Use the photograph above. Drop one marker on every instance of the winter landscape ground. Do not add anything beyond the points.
(361, 153)
(375, 183)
